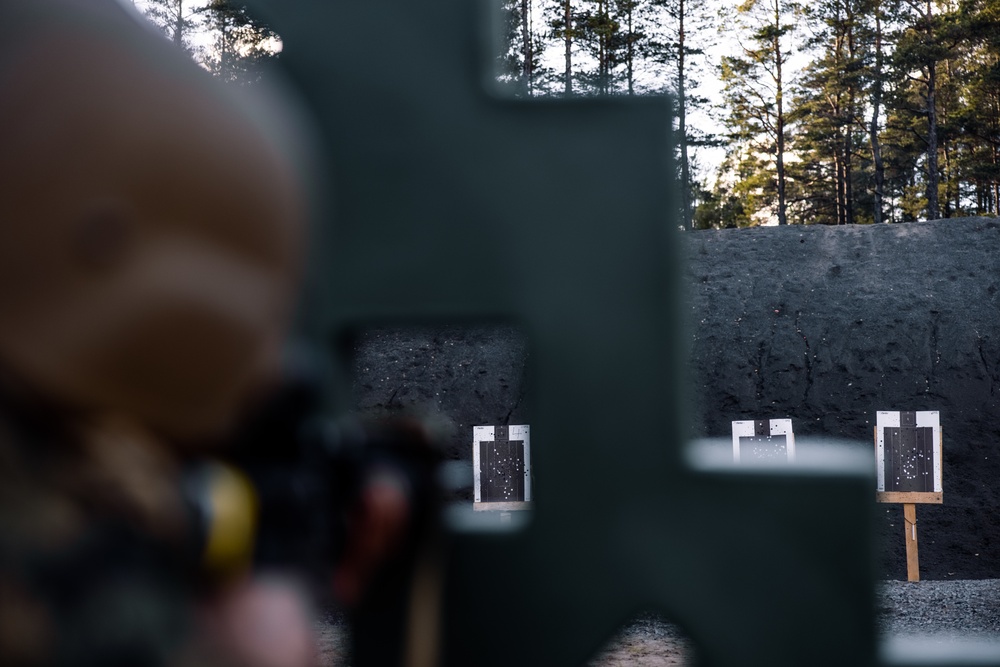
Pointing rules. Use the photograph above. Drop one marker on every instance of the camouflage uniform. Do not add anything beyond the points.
(150, 228)
(91, 570)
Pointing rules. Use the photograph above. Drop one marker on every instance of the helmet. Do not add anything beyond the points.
(150, 225)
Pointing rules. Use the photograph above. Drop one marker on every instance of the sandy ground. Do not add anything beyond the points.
(962, 609)
(646, 643)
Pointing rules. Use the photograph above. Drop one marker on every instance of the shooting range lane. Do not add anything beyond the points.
(829, 325)
(858, 310)
(461, 375)
(427, 164)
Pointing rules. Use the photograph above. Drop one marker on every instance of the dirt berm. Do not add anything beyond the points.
(825, 325)
(828, 325)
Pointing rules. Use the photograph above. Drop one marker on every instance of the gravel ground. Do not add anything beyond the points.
(968, 609)
(648, 642)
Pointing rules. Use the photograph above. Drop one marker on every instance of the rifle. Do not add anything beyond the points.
(304, 477)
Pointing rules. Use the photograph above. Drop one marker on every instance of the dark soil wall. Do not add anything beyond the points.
(823, 325)
(459, 376)
(828, 325)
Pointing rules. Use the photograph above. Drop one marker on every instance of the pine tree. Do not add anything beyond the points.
(977, 117)
(682, 130)
(631, 38)
(564, 22)
(242, 44)
(828, 113)
(680, 50)
(755, 82)
(520, 63)
(982, 102)
(599, 29)
(924, 44)
(176, 18)
(875, 73)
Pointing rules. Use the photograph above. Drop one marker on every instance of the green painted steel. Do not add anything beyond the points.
(448, 201)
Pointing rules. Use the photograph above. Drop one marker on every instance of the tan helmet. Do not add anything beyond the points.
(150, 228)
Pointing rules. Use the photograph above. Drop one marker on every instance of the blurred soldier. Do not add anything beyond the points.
(150, 242)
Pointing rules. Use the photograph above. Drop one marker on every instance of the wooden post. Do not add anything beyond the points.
(890, 429)
(910, 524)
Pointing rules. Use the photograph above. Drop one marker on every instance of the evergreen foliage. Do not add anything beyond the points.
(176, 18)
(242, 44)
(838, 112)
(221, 35)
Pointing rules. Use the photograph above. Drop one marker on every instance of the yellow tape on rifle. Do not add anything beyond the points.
(232, 525)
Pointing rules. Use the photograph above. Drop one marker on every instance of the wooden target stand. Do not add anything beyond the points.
(908, 452)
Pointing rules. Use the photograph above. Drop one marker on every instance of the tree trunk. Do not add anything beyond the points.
(605, 46)
(780, 124)
(873, 126)
(947, 210)
(568, 38)
(995, 201)
(526, 45)
(933, 208)
(630, 51)
(839, 169)
(179, 24)
(682, 122)
(602, 52)
(849, 131)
